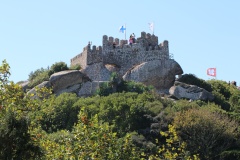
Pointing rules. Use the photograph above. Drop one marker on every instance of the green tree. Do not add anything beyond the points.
(206, 133)
(125, 111)
(75, 67)
(37, 77)
(4, 73)
(192, 79)
(173, 148)
(15, 138)
(58, 113)
(90, 139)
(16, 141)
(57, 67)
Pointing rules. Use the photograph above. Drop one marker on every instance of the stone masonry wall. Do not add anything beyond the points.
(94, 55)
(88, 56)
(123, 55)
(80, 59)
(126, 56)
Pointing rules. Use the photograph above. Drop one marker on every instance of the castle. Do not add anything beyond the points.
(121, 54)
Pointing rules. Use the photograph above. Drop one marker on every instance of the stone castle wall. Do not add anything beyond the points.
(88, 56)
(120, 53)
(80, 59)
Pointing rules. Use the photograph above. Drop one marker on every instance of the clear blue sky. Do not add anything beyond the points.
(201, 34)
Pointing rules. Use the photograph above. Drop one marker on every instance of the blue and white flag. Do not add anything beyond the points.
(151, 26)
(122, 29)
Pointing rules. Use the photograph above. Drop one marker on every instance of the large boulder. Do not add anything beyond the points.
(71, 89)
(89, 88)
(25, 86)
(183, 90)
(158, 73)
(67, 79)
(99, 71)
(41, 85)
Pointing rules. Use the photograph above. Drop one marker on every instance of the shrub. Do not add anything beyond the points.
(36, 73)
(58, 113)
(15, 139)
(111, 87)
(57, 67)
(221, 87)
(174, 147)
(220, 100)
(75, 67)
(206, 133)
(90, 139)
(230, 155)
(192, 79)
(41, 77)
(126, 111)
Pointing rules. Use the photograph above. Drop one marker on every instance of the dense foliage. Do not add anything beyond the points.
(207, 133)
(124, 120)
(116, 84)
(40, 75)
(192, 79)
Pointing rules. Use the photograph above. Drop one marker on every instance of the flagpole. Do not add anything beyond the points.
(153, 27)
(125, 31)
(216, 73)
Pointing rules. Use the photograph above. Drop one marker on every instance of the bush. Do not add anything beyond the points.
(192, 79)
(57, 67)
(41, 77)
(15, 139)
(36, 73)
(75, 67)
(108, 88)
(230, 155)
(15, 129)
(220, 100)
(58, 113)
(221, 87)
(126, 111)
(90, 139)
(206, 133)
(104, 89)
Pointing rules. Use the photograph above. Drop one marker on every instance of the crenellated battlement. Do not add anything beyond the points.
(120, 53)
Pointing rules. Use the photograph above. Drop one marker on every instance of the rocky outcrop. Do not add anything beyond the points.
(99, 71)
(25, 86)
(67, 80)
(70, 89)
(158, 73)
(89, 88)
(41, 85)
(182, 90)
(145, 61)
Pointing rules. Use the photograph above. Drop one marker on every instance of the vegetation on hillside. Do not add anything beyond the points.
(40, 75)
(123, 120)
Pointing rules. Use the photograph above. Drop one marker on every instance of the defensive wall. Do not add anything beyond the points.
(122, 54)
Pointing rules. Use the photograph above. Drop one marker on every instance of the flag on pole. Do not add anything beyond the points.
(151, 26)
(122, 29)
(212, 72)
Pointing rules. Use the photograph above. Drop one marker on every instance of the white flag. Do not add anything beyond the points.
(151, 26)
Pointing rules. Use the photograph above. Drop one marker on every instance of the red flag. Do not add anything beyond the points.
(212, 72)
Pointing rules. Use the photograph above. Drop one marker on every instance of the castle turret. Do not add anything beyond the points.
(116, 41)
(105, 42)
(165, 45)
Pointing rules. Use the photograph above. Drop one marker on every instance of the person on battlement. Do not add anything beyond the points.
(133, 37)
(130, 40)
